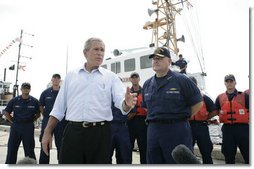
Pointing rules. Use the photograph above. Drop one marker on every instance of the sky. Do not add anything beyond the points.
(62, 26)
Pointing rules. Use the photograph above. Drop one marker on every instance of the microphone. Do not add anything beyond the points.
(183, 155)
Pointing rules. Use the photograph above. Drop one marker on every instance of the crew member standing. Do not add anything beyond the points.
(182, 64)
(233, 107)
(199, 127)
(170, 98)
(120, 137)
(136, 120)
(22, 111)
(85, 100)
(47, 100)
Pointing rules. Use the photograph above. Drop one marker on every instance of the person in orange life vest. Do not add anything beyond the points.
(199, 127)
(233, 109)
(136, 120)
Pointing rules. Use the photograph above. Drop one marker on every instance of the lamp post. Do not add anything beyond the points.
(15, 87)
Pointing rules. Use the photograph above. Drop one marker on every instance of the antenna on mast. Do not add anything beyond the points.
(163, 27)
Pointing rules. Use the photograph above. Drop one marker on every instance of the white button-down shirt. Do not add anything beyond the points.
(87, 96)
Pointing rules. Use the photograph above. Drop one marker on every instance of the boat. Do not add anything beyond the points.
(124, 62)
(5, 97)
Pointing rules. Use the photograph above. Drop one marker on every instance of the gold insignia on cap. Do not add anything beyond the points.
(158, 50)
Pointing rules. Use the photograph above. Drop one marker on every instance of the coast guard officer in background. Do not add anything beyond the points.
(120, 137)
(170, 98)
(199, 127)
(47, 100)
(233, 107)
(181, 63)
(136, 120)
(26, 110)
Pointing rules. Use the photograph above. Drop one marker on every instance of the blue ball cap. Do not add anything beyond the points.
(161, 52)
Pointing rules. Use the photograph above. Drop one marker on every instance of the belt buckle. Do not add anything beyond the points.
(85, 124)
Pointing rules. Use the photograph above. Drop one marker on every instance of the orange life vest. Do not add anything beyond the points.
(233, 111)
(201, 115)
(140, 111)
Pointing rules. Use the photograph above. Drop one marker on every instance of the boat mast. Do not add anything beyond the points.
(163, 27)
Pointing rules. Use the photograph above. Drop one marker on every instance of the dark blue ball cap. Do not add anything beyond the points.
(229, 77)
(26, 85)
(134, 74)
(56, 75)
(161, 52)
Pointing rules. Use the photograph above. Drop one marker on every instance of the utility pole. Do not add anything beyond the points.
(16, 86)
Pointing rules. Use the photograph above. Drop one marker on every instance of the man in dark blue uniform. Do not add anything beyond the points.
(120, 137)
(170, 98)
(136, 120)
(181, 63)
(22, 111)
(199, 127)
(47, 100)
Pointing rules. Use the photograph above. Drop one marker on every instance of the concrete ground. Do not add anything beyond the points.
(4, 135)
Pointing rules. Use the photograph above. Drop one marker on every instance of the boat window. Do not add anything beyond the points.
(104, 66)
(116, 67)
(129, 65)
(145, 62)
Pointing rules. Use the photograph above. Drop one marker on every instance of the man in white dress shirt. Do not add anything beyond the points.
(85, 100)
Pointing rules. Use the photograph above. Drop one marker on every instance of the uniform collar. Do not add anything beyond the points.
(167, 78)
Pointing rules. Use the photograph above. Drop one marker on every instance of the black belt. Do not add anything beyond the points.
(86, 124)
(23, 121)
(139, 117)
(118, 122)
(166, 121)
(197, 122)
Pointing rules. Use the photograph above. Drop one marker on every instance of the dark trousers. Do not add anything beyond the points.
(162, 138)
(58, 133)
(201, 136)
(120, 143)
(233, 136)
(138, 130)
(20, 132)
(89, 145)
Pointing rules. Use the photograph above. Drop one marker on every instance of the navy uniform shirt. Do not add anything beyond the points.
(210, 106)
(170, 97)
(24, 110)
(47, 100)
(181, 63)
(117, 115)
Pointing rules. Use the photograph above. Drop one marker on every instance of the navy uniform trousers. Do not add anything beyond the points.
(58, 134)
(163, 138)
(20, 132)
(200, 134)
(234, 135)
(120, 143)
(138, 130)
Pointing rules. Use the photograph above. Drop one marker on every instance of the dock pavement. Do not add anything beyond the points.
(218, 157)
